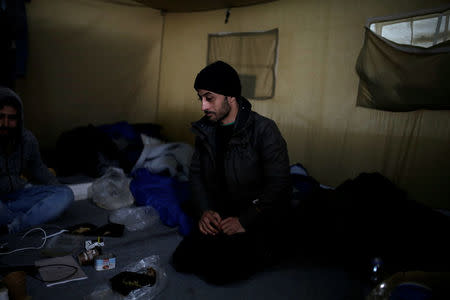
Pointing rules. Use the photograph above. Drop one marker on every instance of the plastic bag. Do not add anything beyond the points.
(111, 191)
(104, 292)
(135, 218)
(148, 292)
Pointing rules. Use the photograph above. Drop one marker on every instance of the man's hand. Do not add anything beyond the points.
(209, 222)
(231, 225)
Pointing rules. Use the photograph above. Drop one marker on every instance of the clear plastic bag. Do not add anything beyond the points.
(135, 218)
(149, 292)
(104, 292)
(112, 190)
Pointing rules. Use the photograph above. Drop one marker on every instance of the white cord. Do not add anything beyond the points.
(56, 233)
(29, 248)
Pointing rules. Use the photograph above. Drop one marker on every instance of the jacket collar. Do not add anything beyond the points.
(243, 116)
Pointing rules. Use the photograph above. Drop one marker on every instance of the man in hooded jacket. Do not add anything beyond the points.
(240, 183)
(29, 193)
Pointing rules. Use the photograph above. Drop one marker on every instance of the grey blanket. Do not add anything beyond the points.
(297, 279)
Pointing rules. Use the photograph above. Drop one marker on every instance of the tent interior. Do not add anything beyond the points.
(105, 61)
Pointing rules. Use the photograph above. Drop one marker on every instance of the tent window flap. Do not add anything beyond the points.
(401, 77)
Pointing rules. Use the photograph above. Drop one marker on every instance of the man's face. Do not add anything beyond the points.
(215, 106)
(8, 120)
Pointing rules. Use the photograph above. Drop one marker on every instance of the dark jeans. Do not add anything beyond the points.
(221, 259)
(33, 205)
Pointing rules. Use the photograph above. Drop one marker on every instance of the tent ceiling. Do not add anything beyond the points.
(197, 5)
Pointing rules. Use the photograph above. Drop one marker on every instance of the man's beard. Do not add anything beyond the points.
(8, 134)
(224, 116)
(225, 109)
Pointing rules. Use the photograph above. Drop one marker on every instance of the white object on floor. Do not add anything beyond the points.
(80, 190)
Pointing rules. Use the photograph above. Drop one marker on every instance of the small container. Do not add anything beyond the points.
(87, 257)
(16, 282)
(105, 262)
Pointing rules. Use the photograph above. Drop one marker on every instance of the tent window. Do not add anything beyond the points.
(253, 55)
(404, 64)
(424, 31)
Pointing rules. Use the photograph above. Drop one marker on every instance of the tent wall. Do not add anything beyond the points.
(98, 61)
(90, 61)
(316, 89)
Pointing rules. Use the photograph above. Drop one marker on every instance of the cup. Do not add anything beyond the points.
(16, 284)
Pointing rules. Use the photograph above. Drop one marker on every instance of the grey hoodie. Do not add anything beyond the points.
(25, 159)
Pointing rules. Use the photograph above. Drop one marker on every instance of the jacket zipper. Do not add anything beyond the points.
(233, 165)
(205, 142)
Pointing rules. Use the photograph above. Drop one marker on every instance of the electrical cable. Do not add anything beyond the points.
(56, 233)
(29, 248)
(75, 269)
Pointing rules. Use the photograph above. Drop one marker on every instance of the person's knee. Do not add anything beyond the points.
(65, 194)
(64, 197)
(5, 214)
(179, 263)
(183, 259)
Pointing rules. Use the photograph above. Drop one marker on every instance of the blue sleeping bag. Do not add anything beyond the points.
(165, 194)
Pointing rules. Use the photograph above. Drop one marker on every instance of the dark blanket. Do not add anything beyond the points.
(91, 150)
(369, 216)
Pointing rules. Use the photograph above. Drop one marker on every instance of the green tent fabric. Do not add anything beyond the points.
(396, 77)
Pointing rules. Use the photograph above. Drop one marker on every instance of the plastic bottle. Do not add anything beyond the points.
(376, 271)
(377, 274)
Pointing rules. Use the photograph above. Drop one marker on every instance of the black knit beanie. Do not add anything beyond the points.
(220, 78)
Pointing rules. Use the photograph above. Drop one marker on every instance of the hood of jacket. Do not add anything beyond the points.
(9, 97)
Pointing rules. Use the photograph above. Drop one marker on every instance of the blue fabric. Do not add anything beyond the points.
(34, 205)
(120, 130)
(304, 185)
(411, 292)
(299, 169)
(123, 131)
(165, 194)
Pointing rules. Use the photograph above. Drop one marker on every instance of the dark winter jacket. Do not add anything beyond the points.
(25, 159)
(256, 166)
